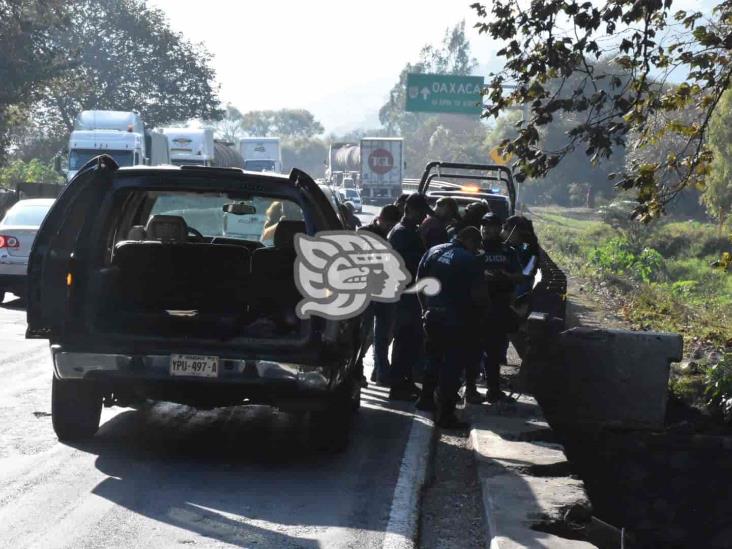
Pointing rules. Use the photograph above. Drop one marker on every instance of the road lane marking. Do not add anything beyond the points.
(401, 529)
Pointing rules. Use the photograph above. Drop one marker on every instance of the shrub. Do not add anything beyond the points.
(688, 239)
(683, 288)
(619, 256)
(28, 172)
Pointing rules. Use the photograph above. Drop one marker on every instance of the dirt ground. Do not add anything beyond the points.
(452, 510)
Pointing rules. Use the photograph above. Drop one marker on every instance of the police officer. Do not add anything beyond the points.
(434, 228)
(348, 214)
(383, 223)
(400, 201)
(408, 340)
(447, 317)
(377, 319)
(518, 231)
(502, 271)
(471, 217)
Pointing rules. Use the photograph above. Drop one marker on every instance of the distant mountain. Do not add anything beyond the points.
(352, 107)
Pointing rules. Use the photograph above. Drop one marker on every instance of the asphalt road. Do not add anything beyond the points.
(171, 476)
(367, 214)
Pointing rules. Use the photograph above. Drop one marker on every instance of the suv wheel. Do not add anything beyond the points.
(330, 428)
(76, 407)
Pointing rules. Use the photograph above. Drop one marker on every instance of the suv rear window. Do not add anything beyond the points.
(204, 213)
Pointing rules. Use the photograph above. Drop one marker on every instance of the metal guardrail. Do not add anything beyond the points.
(550, 293)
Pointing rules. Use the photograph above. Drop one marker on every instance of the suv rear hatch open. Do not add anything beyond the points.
(180, 260)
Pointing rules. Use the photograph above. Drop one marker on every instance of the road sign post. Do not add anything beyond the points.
(444, 93)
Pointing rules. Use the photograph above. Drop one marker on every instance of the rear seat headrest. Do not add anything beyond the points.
(168, 228)
(136, 232)
(284, 235)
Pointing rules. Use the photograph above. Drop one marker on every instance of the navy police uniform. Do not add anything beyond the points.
(446, 318)
(405, 355)
(499, 262)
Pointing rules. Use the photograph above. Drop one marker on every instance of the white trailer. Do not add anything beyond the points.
(261, 154)
(375, 165)
(157, 146)
(382, 168)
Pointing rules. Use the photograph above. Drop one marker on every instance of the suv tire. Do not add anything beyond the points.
(76, 406)
(330, 428)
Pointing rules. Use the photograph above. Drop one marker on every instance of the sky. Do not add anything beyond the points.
(338, 59)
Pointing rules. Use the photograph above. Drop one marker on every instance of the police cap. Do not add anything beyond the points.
(490, 219)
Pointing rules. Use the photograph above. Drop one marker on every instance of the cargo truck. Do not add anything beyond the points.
(375, 166)
(197, 147)
(261, 154)
(119, 134)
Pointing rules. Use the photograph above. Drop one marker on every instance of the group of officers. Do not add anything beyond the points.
(486, 266)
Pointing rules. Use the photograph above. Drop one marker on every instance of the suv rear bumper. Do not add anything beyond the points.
(156, 369)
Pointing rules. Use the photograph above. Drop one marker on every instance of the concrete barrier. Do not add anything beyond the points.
(601, 378)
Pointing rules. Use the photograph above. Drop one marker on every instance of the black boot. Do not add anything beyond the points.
(445, 415)
(472, 396)
(426, 401)
(403, 391)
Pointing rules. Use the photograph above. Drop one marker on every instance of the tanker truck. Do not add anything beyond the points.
(375, 166)
(197, 147)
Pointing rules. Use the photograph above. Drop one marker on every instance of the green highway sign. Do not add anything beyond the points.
(444, 93)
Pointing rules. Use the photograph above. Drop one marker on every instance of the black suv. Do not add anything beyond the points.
(177, 284)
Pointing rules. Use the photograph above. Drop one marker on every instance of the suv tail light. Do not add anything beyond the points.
(7, 241)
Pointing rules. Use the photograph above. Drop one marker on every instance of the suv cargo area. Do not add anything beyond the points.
(164, 283)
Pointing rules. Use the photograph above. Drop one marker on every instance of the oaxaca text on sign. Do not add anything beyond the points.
(444, 93)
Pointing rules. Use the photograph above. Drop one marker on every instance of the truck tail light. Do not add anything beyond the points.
(7, 241)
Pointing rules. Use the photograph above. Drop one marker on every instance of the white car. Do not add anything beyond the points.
(352, 196)
(17, 232)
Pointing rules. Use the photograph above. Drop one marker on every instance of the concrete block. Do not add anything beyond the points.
(609, 378)
(521, 485)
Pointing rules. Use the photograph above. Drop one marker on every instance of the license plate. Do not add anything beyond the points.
(194, 365)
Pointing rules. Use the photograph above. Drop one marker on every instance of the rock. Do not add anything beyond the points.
(714, 357)
(578, 513)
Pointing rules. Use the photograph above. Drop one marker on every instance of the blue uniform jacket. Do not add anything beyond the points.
(406, 241)
(458, 270)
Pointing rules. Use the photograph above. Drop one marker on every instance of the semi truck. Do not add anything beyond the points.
(120, 134)
(375, 166)
(197, 147)
(261, 154)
